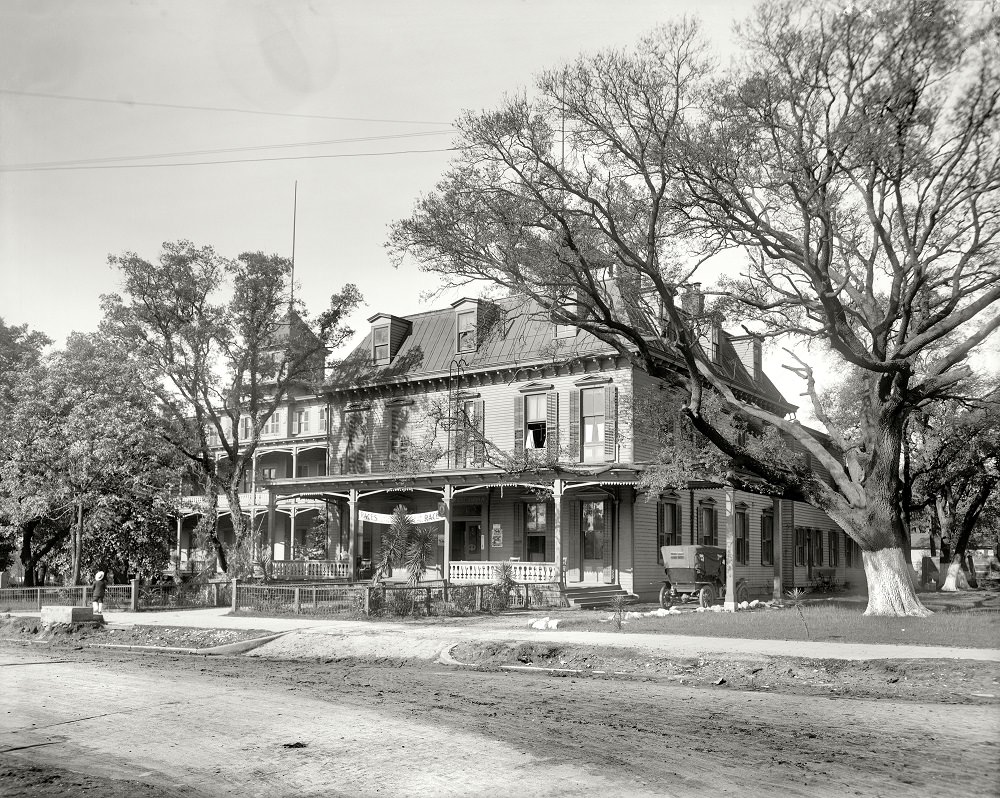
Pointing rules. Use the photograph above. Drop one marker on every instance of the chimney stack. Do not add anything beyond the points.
(693, 300)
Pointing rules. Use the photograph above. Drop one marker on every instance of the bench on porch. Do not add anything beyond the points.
(823, 578)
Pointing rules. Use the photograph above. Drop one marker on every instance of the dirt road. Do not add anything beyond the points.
(260, 727)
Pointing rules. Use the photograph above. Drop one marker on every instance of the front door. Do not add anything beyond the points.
(465, 540)
(593, 539)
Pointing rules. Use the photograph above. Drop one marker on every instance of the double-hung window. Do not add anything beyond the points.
(742, 537)
(535, 421)
(271, 426)
(668, 527)
(467, 331)
(301, 425)
(801, 544)
(817, 547)
(707, 527)
(592, 424)
(380, 344)
(834, 548)
(767, 539)
(535, 527)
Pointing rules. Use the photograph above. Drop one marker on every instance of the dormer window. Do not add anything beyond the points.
(466, 322)
(380, 344)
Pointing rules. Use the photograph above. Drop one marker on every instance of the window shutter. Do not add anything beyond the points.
(574, 426)
(552, 425)
(715, 530)
(478, 441)
(610, 423)
(518, 536)
(518, 424)
(458, 422)
(366, 441)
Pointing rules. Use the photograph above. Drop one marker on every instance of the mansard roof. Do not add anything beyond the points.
(513, 331)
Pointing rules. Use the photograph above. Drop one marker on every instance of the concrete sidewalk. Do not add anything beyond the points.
(329, 637)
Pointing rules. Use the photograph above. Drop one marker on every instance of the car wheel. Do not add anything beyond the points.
(706, 596)
(666, 600)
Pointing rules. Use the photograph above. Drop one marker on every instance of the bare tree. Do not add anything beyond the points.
(854, 158)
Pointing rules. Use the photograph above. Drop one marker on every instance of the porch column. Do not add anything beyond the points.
(352, 532)
(446, 558)
(295, 462)
(291, 536)
(730, 603)
(180, 525)
(557, 491)
(272, 502)
(777, 546)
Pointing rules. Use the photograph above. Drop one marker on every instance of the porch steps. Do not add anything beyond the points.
(589, 597)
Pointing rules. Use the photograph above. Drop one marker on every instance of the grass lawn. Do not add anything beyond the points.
(968, 619)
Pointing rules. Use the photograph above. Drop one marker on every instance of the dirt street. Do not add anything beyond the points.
(249, 726)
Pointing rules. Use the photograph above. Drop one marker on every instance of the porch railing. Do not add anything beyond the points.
(483, 571)
(310, 569)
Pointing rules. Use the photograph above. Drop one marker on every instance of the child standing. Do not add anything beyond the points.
(100, 583)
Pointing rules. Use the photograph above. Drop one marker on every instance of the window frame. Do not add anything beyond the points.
(767, 543)
(536, 424)
(300, 424)
(801, 546)
(536, 515)
(671, 508)
(816, 549)
(465, 334)
(593, 451)
(707, 511)
(380, 349)
(741, 534)
(833, 558)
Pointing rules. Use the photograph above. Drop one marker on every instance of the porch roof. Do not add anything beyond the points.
(338, 486)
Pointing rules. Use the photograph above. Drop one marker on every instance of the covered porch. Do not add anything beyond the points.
(552, 528)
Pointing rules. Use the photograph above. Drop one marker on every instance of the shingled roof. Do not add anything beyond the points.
(518, 333)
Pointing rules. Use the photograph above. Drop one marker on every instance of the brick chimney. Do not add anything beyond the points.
(693, 300)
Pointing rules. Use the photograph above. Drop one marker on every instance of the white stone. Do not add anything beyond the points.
(64, 614)
(553, 623)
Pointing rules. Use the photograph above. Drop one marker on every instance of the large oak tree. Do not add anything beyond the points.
(853, 158)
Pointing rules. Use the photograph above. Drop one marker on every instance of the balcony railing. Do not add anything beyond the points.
(485, 571)
(310, 569)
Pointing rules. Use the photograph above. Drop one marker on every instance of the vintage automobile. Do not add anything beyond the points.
(696, 572)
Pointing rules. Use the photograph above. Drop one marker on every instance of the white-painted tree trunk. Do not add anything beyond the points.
(890, 588)
(954, 579)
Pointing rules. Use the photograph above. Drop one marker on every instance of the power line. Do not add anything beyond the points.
(222, 109)
(215, 163)
(189, 153)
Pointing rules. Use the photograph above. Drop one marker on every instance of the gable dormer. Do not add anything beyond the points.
(467, 312)
(388, 334)
(749, 349)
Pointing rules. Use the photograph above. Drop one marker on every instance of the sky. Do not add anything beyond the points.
(220, 105)
(128, 123)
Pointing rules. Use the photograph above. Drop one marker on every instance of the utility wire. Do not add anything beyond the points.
(214, 163)
(189, 153)
(175, 106)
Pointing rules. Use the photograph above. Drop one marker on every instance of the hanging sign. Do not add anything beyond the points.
(496, 537)
(386, 518)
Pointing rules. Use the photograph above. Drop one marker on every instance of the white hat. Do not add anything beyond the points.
(99, 575)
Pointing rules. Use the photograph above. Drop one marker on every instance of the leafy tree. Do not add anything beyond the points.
(956, 474)
(854, 160)
(223, 344)
(84, 459)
